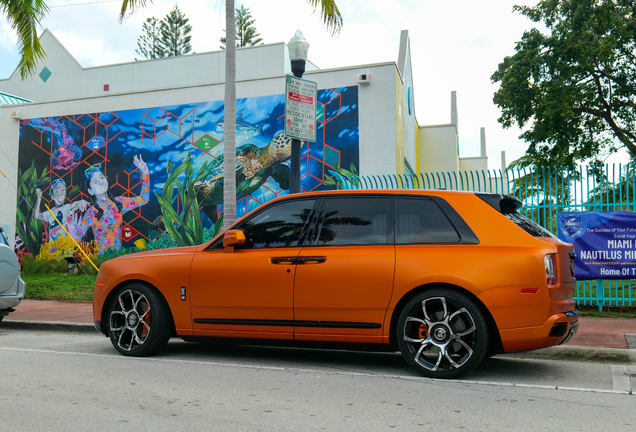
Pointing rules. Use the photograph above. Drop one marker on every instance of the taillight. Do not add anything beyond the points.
(550, 269)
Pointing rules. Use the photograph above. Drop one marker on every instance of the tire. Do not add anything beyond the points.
(442, 333)
(139, 321)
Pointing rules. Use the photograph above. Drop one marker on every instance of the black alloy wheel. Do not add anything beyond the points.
(139, 321)
(442, 333)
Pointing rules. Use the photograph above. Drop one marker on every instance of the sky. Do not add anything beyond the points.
(456, 45)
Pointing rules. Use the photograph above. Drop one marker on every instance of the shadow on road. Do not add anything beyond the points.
(497, 369)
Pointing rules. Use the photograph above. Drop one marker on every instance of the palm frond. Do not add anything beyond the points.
(329, 14)
(130, 7)
(24, 17)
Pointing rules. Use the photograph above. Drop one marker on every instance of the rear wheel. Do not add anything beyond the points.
(442, 333)
(139, 321)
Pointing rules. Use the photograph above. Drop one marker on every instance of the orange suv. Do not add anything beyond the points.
(447, 278)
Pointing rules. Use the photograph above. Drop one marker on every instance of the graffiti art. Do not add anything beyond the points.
(123, 181)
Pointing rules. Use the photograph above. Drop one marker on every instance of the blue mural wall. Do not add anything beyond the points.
(128, 180)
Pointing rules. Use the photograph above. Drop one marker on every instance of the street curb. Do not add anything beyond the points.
(583, 354)
(571, 353)
(56, 326)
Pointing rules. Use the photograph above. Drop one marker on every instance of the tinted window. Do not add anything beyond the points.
(529, 226)
(355, 221)
(420, 220)
(278, 226)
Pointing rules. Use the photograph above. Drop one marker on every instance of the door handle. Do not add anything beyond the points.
(283, 260)
(318, 259)
(298, 260)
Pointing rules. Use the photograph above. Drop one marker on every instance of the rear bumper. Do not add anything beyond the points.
(10, 301)
(557, 329)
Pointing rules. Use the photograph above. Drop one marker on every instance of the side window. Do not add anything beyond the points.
(420, 220)
(278, 226)
(355, 221)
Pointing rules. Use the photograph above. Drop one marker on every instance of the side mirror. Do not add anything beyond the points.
(233, 238)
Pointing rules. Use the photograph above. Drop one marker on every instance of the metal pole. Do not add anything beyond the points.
(298, 68)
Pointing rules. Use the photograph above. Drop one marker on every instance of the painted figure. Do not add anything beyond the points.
(105, 214)
(65, 213)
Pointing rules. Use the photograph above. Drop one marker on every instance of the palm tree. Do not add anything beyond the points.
(330, 16)
(24, 17)
(229, 118)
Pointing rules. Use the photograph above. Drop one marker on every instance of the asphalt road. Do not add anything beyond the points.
(67, 382)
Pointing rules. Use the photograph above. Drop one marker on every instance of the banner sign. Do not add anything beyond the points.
(300, 109)
(604, 243)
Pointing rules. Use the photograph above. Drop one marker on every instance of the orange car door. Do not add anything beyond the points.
(249, 292)
(344, 280)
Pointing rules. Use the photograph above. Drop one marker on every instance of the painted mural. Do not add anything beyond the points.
(124, 181)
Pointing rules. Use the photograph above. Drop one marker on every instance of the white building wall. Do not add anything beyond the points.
(473, 163)
(438, 148)
(408, 105)
(8, 162)
(69, 80)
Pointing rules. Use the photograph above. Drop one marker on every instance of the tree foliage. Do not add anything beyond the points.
(175, 33)
(246, 33)
(148, 44)
(572, 86)
(169, 37)
(24, 17)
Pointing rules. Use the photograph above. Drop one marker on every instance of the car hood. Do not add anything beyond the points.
(161, 252)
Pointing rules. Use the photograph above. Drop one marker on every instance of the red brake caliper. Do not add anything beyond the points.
(422, 332)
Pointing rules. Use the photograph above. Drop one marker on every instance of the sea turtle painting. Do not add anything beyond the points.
(255, 165)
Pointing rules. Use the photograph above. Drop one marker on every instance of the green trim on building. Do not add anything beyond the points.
(7, 99)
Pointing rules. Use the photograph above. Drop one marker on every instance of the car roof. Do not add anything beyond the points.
(433, 192)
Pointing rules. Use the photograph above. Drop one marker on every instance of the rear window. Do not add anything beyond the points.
(421, 221)
(508, 205)
(528, 225)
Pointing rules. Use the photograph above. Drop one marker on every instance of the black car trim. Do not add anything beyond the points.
(313, 225)
(288, 323)
(502, 203)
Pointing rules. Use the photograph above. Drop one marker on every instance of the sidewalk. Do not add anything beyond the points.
(598, 339)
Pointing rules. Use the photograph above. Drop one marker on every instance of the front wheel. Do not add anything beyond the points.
(442, 333)
(139, 321)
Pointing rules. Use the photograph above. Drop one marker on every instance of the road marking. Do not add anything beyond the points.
(620, 379)
(615, 390)
(77, 342)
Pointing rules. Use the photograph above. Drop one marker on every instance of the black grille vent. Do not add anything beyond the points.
(559, 329)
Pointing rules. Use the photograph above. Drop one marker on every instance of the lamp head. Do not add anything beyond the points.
(298, 47)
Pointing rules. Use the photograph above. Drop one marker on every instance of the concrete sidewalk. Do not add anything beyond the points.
(598, 339)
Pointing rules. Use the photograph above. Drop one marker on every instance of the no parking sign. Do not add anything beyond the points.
(300, 108)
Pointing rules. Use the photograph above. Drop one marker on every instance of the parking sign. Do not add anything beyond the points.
(300, 108)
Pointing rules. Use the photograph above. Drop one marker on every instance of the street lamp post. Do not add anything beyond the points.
(298, 48)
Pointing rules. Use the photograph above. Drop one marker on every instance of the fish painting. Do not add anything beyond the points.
(244, 126)
(141, 244)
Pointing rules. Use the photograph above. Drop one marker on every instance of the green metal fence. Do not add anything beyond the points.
(544, 191)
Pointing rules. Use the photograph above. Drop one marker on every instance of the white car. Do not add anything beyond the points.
(11, 286)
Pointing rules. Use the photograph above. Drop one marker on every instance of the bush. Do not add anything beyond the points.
(36, 266)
